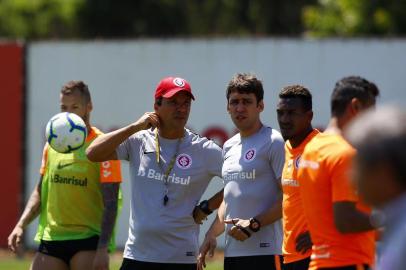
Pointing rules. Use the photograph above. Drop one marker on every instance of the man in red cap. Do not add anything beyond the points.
(170, 169)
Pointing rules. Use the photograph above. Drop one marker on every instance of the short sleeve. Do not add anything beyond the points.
(277, 155)
(214, 158)
(44, 159)
(123, 151)
(110, 171)
(341, 186)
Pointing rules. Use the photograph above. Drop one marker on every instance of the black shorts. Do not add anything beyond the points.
(129, 264)
(66, 249)
(298, 265)
(349, 267)
(268, 262)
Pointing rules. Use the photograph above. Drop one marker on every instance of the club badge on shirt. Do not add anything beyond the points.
(250, 155)
(184, 161)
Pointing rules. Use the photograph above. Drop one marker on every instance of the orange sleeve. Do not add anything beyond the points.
(110, 171)
(44, 159)
(342, 188)
(378, 234)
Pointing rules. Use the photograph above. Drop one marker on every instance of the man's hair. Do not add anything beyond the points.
(380, 138)
(300, 92)
(352, 87)
(77, 86)
(158, 101)
(245, 84)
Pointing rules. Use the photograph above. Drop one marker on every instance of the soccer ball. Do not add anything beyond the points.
(66, 132)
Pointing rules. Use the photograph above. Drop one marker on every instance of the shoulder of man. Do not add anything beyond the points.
(200, 141)
(335, 144)
(272, 138)
(328, 147)
(93, 133)
(144, 134)
(231, 142)
(273, 134)
(96, 131)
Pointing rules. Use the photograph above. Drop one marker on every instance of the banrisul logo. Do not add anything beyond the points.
(250, 155)
(56, 178)
(172, 178)
(184, 161)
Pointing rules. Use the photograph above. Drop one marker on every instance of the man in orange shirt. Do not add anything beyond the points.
(295, 115)
(339, 224)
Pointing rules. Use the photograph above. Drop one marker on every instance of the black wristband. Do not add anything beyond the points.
(204, 206)
(255, 225)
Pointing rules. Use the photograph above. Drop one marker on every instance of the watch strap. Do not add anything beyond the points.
(204, 206)
(252, 221)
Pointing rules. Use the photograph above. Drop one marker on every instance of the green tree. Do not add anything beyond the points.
(246, 17)
(36, 19)
(128, 18)
(349, 18)
(162, 18)
(61, 19)
(39, 19)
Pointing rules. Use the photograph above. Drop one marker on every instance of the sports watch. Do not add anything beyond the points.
(204, 206)
(255, 225)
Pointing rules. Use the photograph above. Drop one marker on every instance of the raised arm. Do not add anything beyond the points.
(104, 147)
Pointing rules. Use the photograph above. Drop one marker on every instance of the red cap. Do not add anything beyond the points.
(169, 86)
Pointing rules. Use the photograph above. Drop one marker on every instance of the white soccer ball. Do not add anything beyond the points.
(66, 132)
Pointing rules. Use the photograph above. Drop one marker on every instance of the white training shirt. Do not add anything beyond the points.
(251, 171)
(158, 233)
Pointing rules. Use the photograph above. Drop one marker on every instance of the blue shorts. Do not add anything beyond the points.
(66, 249)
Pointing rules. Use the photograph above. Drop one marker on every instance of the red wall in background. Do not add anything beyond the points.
(11, 135)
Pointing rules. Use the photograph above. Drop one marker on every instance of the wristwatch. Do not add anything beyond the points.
(255, 225)
(204, 206)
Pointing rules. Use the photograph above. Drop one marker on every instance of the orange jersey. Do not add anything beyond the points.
(110, 171)
(294, 222)
(324, 179)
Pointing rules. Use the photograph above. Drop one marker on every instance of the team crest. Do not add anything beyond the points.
(184, 161)
(179, 82)
(250, 155)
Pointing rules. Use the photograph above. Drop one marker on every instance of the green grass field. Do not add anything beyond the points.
(12, 263)
(24, 264)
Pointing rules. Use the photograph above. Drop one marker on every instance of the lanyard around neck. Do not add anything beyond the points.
(158, 156)
(170, 166)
